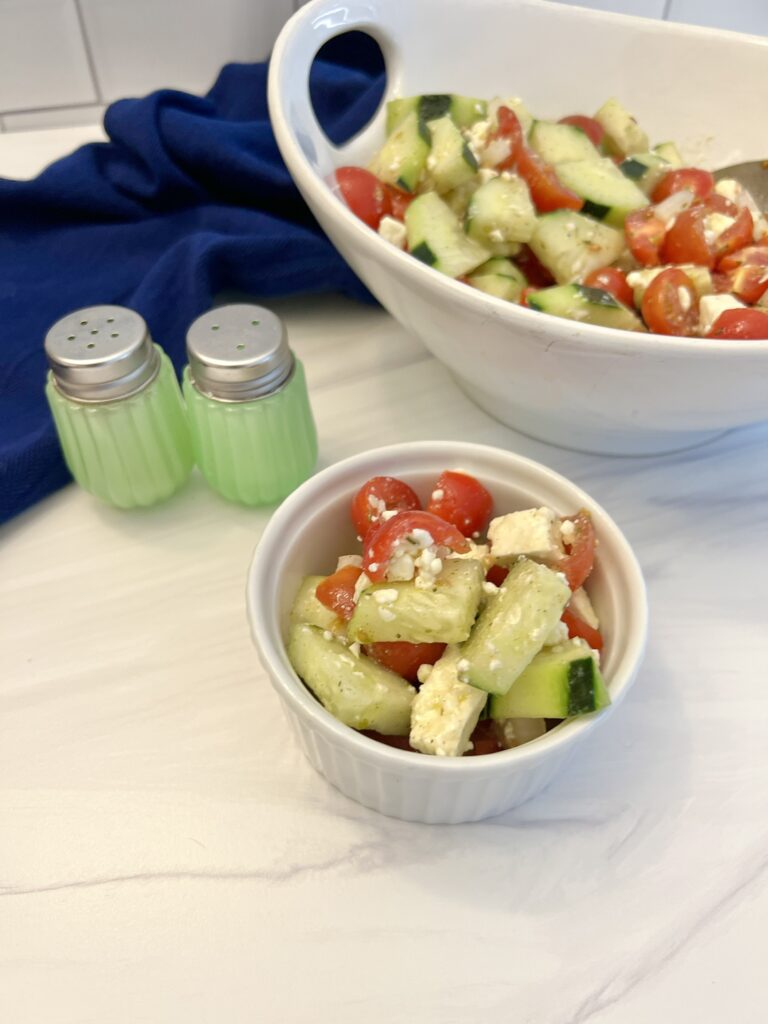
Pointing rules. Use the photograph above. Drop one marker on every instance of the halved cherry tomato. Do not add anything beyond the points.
(579, 628)
(645, 234)
(592, 128)
(736, 236)
(497, 574)
(580, 552)
(364, 194)
(460, 499)
(746, 272)
(547, 191)
(399, 201)
(719, 204)
(381, 541)
(670, 304)
(404, 658)
(337, 591)
(379, 494)
(741, 324)
(699, 182)
(612, 280)
(510, 130)
(536, 274)
(685, 241)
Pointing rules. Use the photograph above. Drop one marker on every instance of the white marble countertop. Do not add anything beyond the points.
(167, 855)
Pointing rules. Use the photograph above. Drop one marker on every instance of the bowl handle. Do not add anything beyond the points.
(294, 53)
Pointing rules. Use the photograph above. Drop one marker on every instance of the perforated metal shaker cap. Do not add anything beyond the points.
(238, 352)
(101, 353)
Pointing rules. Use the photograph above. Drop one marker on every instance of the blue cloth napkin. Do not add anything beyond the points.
(190, 197)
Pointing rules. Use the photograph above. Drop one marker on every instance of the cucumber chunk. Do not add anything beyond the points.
(560, 682)
(501, 278)
(443, 612)
(450, 162)
(355, 689)
(513, 626)
(571, 245)
(558, 143)
(403, 157)
(623, 135)
(435, 237)
(608, 195)
(463, 110)
(501, 215)
(445, 710)
(306, 608)
(589, 305)
(668, 151)
(645, 169)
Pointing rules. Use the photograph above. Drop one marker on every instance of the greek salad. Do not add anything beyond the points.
(452, 632)
(580, 218)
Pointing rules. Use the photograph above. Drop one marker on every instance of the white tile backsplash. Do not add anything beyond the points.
(43, 61)
(142, 45)
(61, 60)
(739, 15)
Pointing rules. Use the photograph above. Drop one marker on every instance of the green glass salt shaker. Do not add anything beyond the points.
(252, 429)
(117, 407)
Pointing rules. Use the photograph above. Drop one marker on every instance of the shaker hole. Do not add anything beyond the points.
(83, 323)
(70, 337)
(255, 323)
(110, 319)
(214, 327)
(91, 344)
(240, 347)
(115, 335)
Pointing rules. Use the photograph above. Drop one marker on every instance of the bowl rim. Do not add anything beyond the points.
(267, 638)
(442, 286)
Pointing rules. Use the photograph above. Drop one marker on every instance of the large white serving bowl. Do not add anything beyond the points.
(574, 384)
(305, 536)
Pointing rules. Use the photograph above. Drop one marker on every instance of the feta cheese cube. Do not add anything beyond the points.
(393, 231)
(711, 306)
(445, 711)
(534, 533)
(558, 635)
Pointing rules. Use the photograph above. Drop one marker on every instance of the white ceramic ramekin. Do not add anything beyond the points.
(574, 384)
(312, 527)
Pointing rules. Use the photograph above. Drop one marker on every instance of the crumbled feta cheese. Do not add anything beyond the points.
(486, 174)
(423, 672)
(327, 634)
(393, 231)
(445, 710)
(387, 596)
(496, 235)
(684, 297)
(557, 635)
(374, 566)
(494, 664)
(534, 533)
(581, 606)
(401, 568)
(567, 531)
(345, 560)
(438, 494)
(386, 614)
(387, 514)
(477, 138)
(496, 152)
(711, 306)
(355, 649)
(490, 588)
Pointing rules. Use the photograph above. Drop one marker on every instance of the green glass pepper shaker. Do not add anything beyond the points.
(117, 407)
(252, 429)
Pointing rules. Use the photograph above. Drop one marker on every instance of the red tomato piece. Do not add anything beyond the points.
(580, 552)
(364, 194)
(699, 182)
(400, 742)
(484, 739)
(380, 494)
(524, 296)
(685, 241)
(460, 499)
(645, 234)
(592, 128)
(545, 187)
(719, 204)
(497, 574)
(579, 628)
(736, 236)
(404, 658)
(536, 274)
(337, 591)
(381, 541)
(741, 324)
(399, 201)
(510, 130)
(670, 304)
(612, 280)
(746, 272)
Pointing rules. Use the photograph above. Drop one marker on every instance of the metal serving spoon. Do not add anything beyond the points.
(753, 175)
